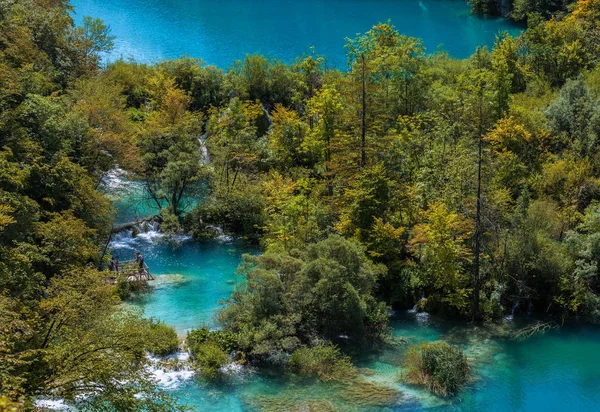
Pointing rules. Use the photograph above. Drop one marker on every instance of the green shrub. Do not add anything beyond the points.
(161, 339)
(170, 222)
(226, 341)
(237, 211)
(211, 358)
(440, 367)
(323, 361)
(126, 288)
(123, 289)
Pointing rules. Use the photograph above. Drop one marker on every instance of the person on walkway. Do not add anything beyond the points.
(111, 264)
(140, 261)
(117, 264)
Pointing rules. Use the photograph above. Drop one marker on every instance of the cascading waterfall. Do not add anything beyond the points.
(267, 115)
(415, 308)
(515, 305)
(205, 160)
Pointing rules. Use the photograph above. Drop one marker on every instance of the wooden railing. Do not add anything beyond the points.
(130, 270)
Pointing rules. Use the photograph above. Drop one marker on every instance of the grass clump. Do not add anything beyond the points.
(369, 395)
(161, 339)
(265, 403)
(440, 367)
(324, 361)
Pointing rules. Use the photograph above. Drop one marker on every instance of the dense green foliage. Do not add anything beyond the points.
(161, 339)
(439, 366)
(471, 183)
(227, 341)
(210, 358)
(62, 331)
(325, 291)
(210, 350)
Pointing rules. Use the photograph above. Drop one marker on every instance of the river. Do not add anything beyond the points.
(222, 31)
(551, 372)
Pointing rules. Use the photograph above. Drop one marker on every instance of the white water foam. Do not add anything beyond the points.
(221, 236)
(51, 404)
(171, 378)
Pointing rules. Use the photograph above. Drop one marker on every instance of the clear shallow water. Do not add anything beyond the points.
(558, 371)
(554, 372)
(222, 31)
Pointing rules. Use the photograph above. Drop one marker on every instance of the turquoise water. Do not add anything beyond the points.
(220, 32)
(557, 371)
(191, 278)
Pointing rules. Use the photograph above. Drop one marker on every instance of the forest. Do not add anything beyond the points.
(406, 178)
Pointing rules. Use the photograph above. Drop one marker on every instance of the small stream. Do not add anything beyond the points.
(555, 371)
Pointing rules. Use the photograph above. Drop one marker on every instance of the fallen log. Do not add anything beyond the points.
(131, 225)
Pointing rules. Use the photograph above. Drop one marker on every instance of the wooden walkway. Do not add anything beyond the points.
(130, 271)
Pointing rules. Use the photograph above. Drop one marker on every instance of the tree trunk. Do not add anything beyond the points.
(477, 274)
(363, 128)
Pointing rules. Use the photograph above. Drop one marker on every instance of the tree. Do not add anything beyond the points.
(439, 244)
(324, 109)
(170, 149)
(88, 41)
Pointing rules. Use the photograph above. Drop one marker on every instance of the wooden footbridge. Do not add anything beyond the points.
(130, 271)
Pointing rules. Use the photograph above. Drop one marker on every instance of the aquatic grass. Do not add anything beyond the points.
(364, 394)
(440, 367)
(324, 361)
(266, 403)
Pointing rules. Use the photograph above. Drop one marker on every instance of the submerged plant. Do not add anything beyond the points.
(440, 367)
(537, 328)
(277, 404)
(365, 394)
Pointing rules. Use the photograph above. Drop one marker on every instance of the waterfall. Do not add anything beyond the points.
(415, 308)
(205, 159)
(134, 233)
(267, 115)
(172, 371)
(219, 234)
(515, 305)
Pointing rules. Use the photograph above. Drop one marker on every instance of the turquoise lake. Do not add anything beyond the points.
(557, 371)
(220, 32)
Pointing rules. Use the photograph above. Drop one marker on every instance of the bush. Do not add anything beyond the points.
(226, 341)
(169, 222)
(237, 211)
(439, 366)
(161, 339)
(323, 361)
(125, 288)
(211, 358)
